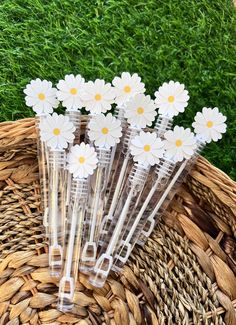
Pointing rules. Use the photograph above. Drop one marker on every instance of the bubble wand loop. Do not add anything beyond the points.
(42, 98)
(208, 126)
(140, 112)
(181, 141)
(146, 149)
(80, 157)
(57, 132)
(104, 132)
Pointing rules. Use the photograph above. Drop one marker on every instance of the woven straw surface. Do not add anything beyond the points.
(185, 274)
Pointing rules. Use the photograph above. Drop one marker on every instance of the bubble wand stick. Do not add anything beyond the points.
(41, 96)
(57, 132)
(69, 93)
(104, 132)
(126, 87)
(82, 161)
(146, 149)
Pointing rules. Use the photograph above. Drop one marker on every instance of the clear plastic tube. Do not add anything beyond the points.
(120, 177)
(166, 197)
(129, 197)
(57, 210)
(72, 249)
(95, 210)
(42, 153)
(75, 118)
(115, 158)
(162, 173)
(162, 125)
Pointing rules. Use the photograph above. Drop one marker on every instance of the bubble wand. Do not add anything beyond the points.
(146, 150)
(41, 96)
(140, 112)
(209, 126)
(69, 93)
(104, 132)
(171, 99)
(57, 132)
(126, 87)
(98, 97)
(82, 161)
(181, 146)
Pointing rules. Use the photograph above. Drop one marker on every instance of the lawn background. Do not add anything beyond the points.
(189, 41)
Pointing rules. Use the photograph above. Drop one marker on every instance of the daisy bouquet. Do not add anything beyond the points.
(209, 125)
(82, 162)
(69, 94)
(139, 112)
(41, 96)
(146, 150)
(57, 132)
(104, 132)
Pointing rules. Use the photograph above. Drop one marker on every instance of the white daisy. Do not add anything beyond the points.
(146, 148)
(57, 131)
(70, 90)
(127, 86)
(82, 160)
(98, 96)
(171, 99)
(41, 96)
(105, 131)
(140, 111)
(179, 143)
(209, 124)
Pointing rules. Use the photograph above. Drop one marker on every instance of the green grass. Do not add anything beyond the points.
(189, 41)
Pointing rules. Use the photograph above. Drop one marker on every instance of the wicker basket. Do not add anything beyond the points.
(184, 275)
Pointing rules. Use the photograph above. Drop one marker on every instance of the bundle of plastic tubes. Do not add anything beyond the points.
(104, 193)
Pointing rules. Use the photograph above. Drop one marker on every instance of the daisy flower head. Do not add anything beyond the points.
(98, 96)
(69, 91)
(171, 99)
(57, 131)
(82, 160)
(147, 149)
(105, 131)
(140, 111)
(41, 96)
(210, 124)
(179, 143)
(127, 86)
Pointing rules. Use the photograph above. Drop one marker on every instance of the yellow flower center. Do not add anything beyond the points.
(73, 91)
(98, 97)
(147, 147)
(171, 99)
(56, 131)
(105, 130)
(140, 110)
(178, 143)
(127, 89)
(209, 124)
(41, 96)
(81, 160)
